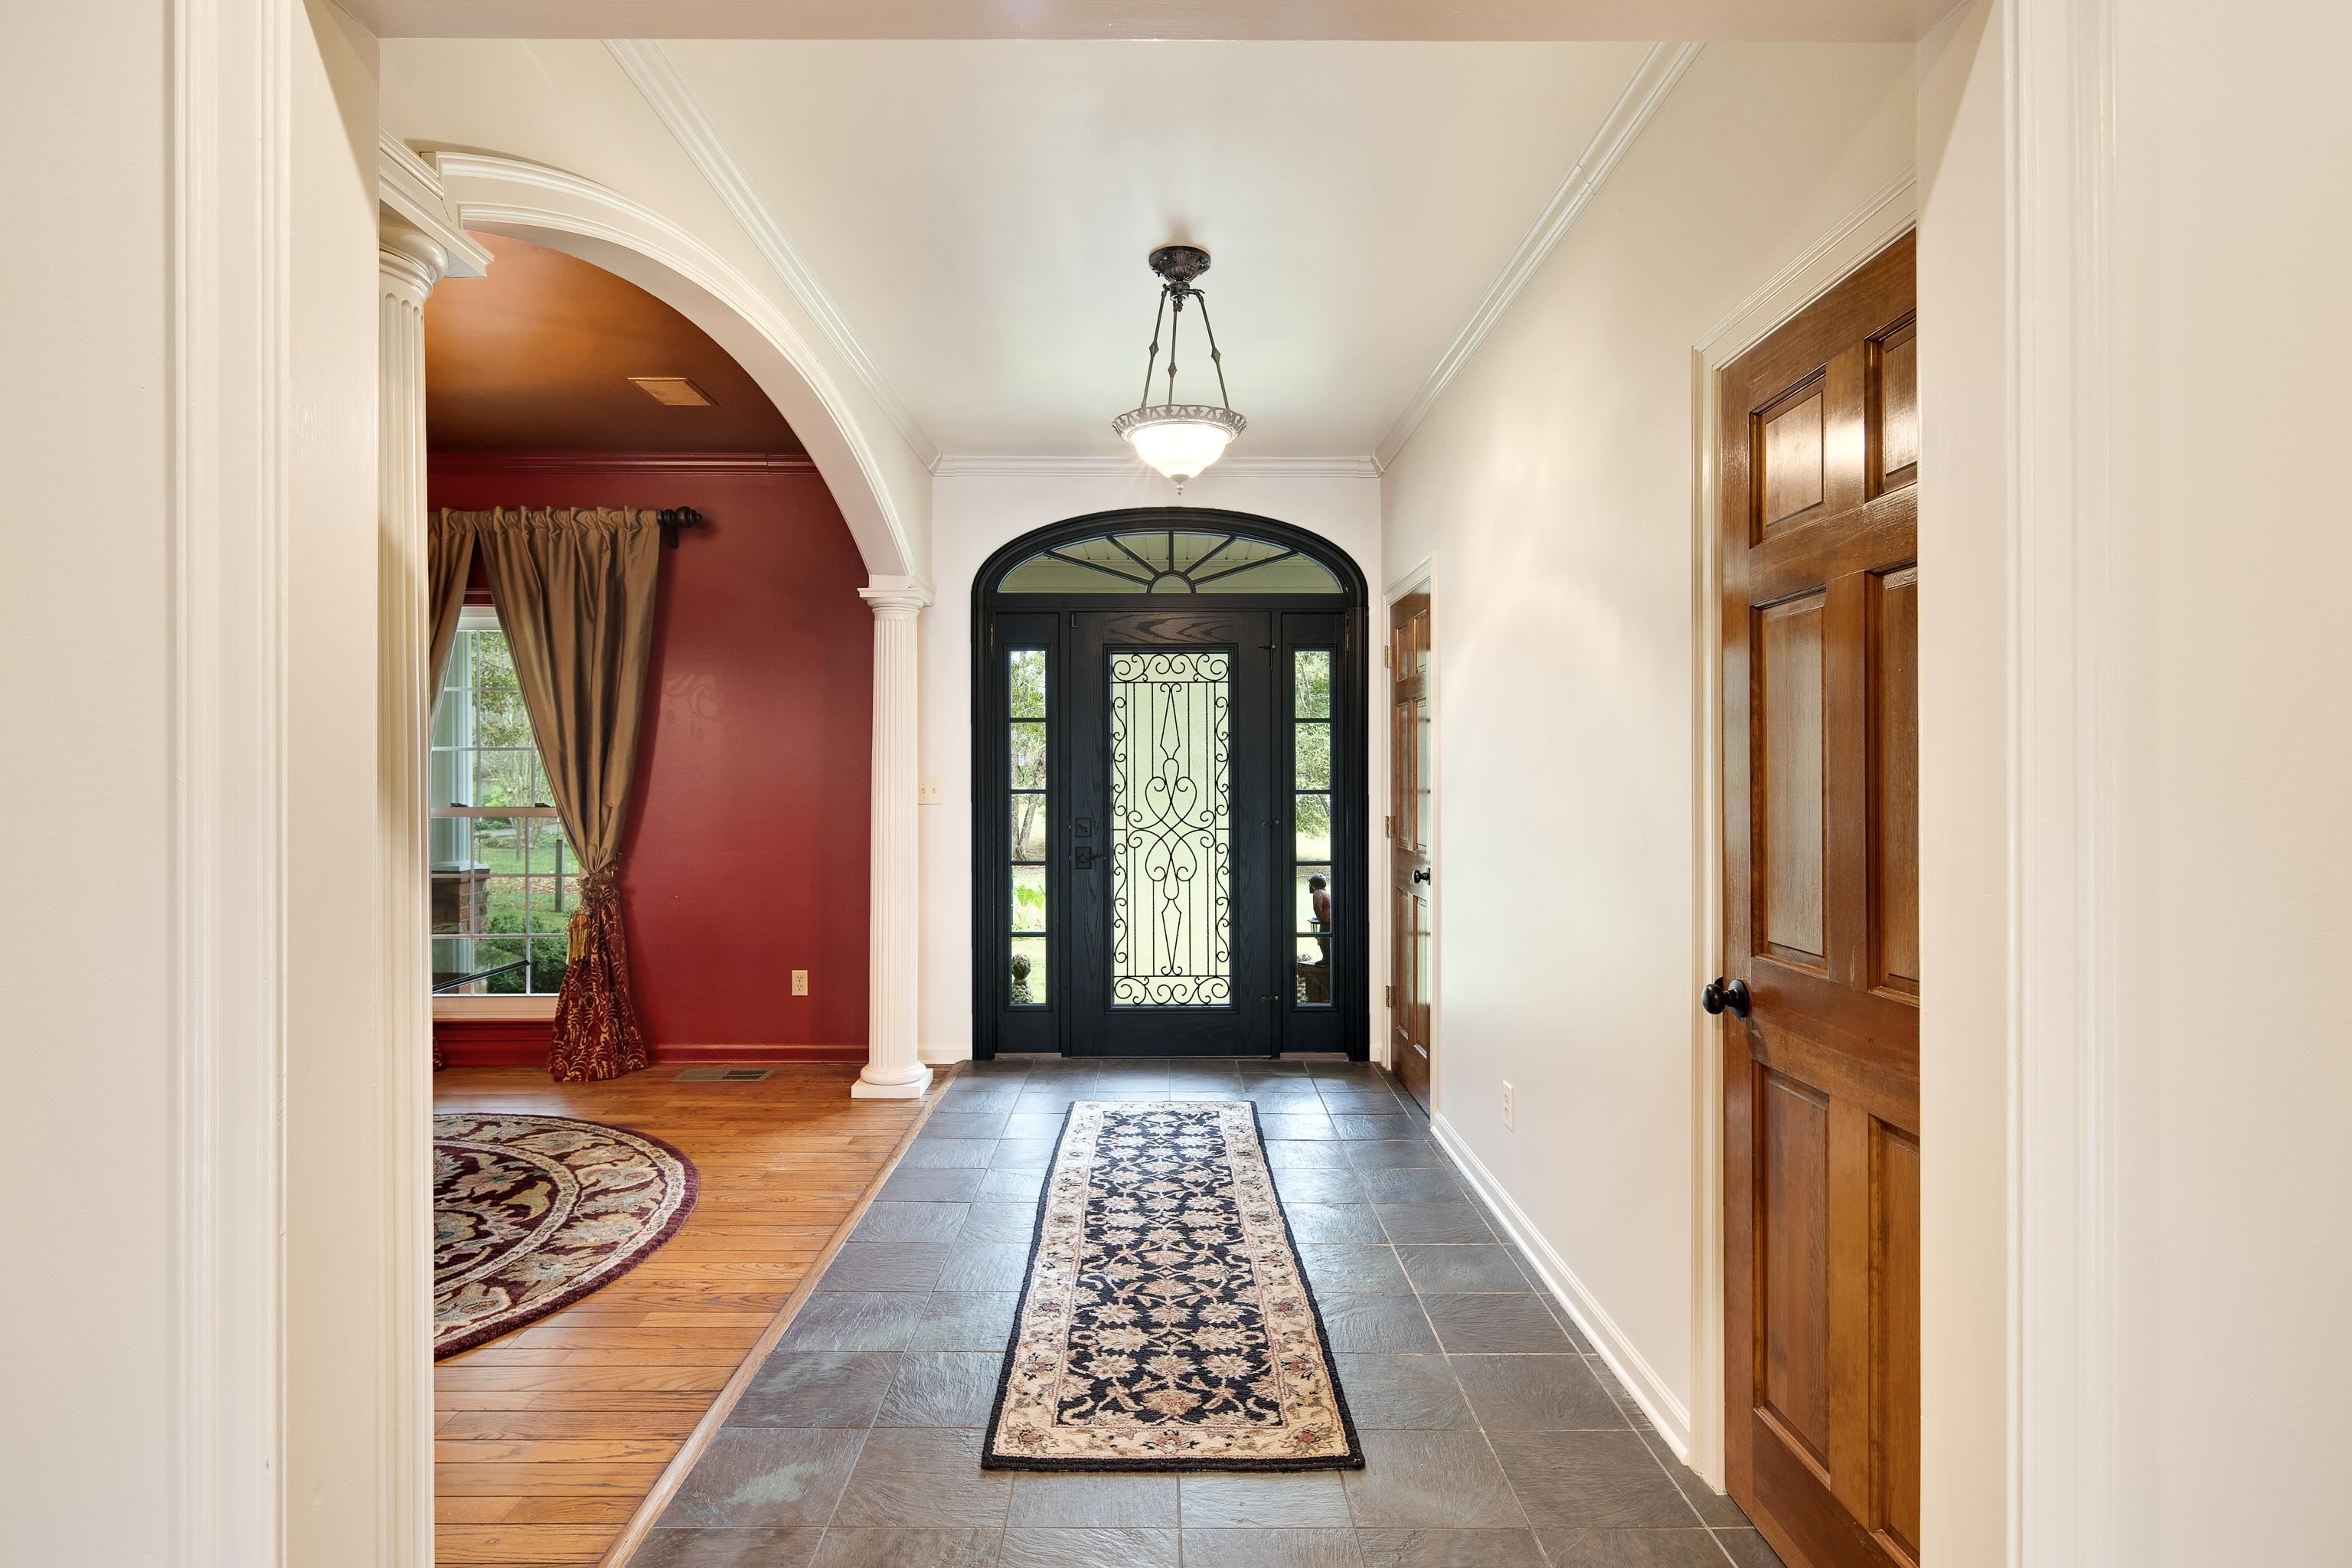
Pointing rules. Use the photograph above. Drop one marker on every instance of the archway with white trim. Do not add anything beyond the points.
(883, 491)
(881, 487)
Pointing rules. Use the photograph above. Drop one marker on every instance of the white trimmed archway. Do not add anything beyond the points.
(881, 486)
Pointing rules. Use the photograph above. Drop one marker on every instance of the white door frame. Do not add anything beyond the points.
(228, 520)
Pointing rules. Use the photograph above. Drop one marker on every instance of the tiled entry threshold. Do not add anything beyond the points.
(1494, 1438)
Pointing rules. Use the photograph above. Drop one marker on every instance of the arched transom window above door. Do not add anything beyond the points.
(1171, 561)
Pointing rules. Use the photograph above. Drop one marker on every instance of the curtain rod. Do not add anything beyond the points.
(672, 519)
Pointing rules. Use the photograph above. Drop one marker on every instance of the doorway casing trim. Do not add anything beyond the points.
(2073, 670)
(228, 313)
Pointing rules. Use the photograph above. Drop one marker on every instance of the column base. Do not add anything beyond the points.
(868, 1087)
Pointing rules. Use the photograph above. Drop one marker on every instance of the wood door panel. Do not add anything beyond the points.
(1895, 396)
(1893, 643)
(1794, 1221)
(1895, 1339)
(1789, 457)
(1786, 734)
(1820, 912)
(1808, 1525)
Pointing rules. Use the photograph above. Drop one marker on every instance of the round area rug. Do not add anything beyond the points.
(532, 1213)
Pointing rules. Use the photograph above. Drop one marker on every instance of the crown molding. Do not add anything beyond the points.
(1654, 80)
(968, 466)
(619, 462)
(1870, 228)
(648, 65)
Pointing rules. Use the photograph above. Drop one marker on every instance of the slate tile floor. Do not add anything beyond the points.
(1493, 1438)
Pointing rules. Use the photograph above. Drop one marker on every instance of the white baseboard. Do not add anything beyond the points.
(941, 1055)
(1665, 1412)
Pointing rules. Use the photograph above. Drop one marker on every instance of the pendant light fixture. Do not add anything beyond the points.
(1180, 439)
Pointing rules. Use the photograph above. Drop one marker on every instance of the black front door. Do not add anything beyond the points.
(1171, 842)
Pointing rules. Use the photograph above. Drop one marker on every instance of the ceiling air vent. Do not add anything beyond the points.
(723, 1075)
(671, 391)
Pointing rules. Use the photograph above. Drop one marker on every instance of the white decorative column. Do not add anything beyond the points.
(892, 1071)
(420, 244)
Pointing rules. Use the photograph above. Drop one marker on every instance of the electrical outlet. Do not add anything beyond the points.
(1510, 1106)
(800, 983)
(926, 793)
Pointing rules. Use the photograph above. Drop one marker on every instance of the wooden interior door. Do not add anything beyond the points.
(1820, 447)
(1413, 816)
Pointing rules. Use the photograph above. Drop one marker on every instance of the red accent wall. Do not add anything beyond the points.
(746, 855)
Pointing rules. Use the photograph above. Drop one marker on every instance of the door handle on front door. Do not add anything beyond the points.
(1716, 997)
(1421, 874)
(1083, 857)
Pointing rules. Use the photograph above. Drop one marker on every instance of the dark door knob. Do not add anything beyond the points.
(1718, 995)
(1421, 874)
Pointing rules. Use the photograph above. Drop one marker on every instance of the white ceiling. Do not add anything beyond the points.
(978, 213)
(1815, 21)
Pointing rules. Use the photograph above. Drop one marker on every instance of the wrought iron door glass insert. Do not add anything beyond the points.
(1171, 828)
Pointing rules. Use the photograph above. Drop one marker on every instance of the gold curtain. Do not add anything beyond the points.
(575, 593)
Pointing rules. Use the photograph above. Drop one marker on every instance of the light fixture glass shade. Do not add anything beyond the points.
(1180, 439)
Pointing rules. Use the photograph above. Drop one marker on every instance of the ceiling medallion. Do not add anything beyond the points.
(1180, 439)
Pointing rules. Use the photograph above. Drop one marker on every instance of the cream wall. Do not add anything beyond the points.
(973, 516)
(1553, 485)
(2142, 1287)
(337, 1206)
(85, 919)
(1966, 766)
(2232, 748)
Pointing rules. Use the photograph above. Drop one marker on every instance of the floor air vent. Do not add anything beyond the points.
(723, 1075)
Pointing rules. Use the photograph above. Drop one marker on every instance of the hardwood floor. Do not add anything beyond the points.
(546, 1440)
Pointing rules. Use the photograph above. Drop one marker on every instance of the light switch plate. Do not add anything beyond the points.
(799, 982)
(926, 793)
(1510, 1106)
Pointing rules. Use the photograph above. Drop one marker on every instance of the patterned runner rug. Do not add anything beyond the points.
(1166, 1324)
(532, 1213)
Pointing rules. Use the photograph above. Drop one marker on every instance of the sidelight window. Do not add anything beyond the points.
(504, 876)
(1315, 890)
(1031, 800)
